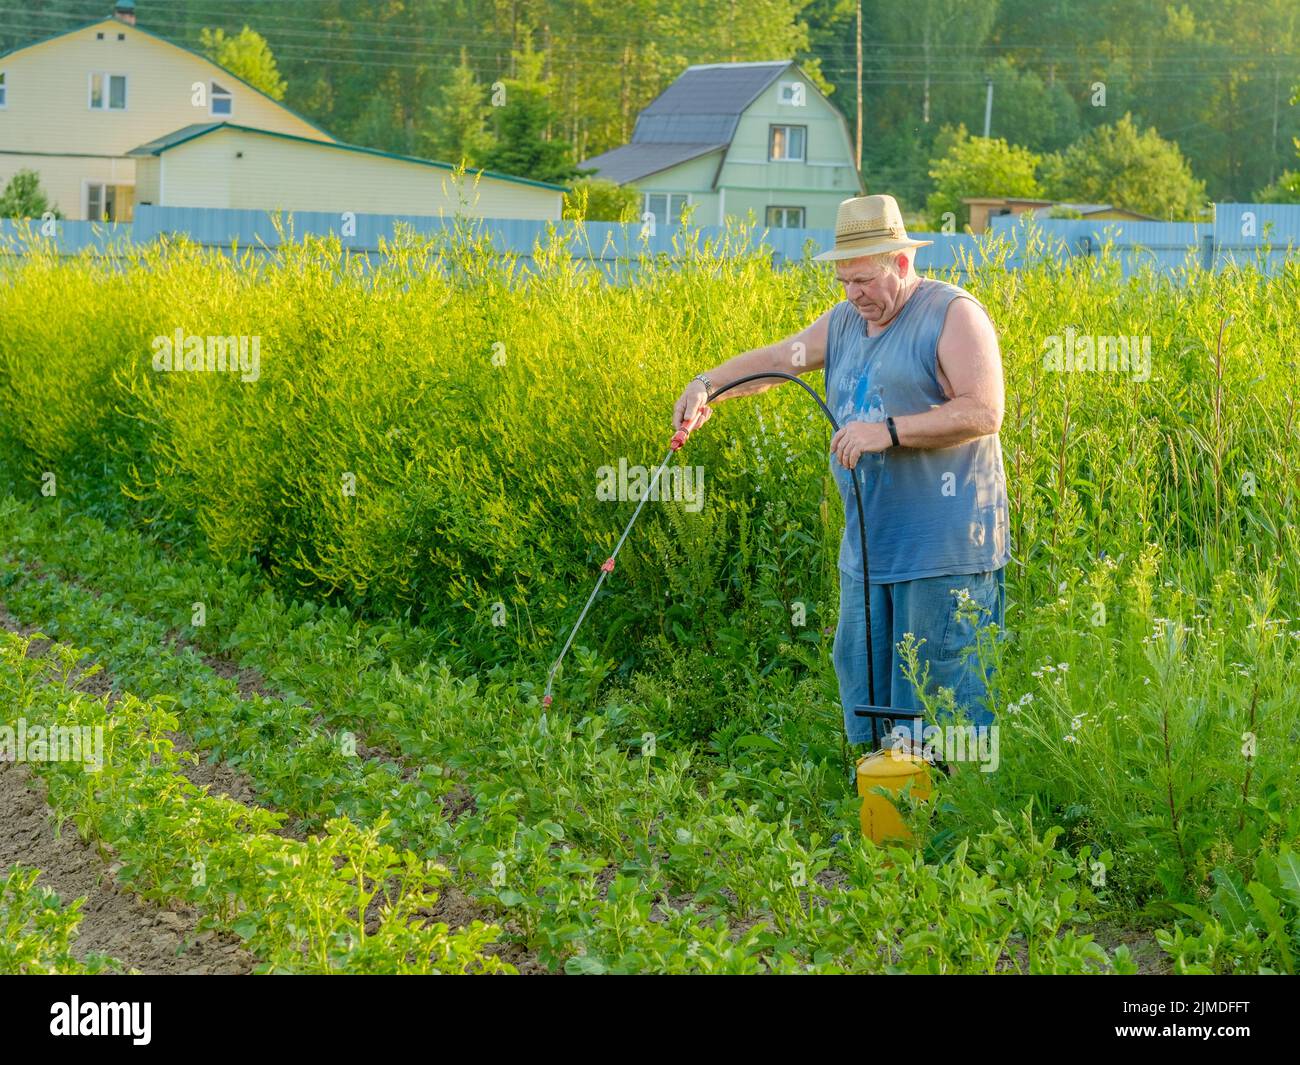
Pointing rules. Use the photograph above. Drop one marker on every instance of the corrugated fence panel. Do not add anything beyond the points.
(1164, 246)
(68, 237)
(1266, 234)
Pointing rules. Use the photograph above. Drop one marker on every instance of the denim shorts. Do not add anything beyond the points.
(927, 608)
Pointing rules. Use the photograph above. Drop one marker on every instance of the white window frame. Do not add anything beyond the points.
(783, 96)
(667, 219)
(225, 94)
(771, 143)
(4, 92)
(803, 215)
(106, 91)
(103, 183)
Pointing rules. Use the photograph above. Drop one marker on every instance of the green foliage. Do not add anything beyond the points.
(598, 200)
(37, 930)
(247, 56)
(476, 473)
(1126, 167)
(1251, 927)
(340, 902)
(458, 123)
(525, 128)
(716, 867)
(23, 197)
(978, 166)
(1286, 189)
(1028, 110)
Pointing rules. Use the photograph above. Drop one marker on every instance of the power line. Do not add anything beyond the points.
(904, 62)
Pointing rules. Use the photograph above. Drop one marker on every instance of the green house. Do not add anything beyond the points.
(730, 137)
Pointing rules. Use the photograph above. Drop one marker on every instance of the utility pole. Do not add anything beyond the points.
(859, 144)
(1272, 145)
(988, 106)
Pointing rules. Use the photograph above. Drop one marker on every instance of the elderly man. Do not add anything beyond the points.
(914, 377)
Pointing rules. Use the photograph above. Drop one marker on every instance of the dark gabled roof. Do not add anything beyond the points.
(632, 162)
(705, 103)
(202, 129)
(121, 26)
(697, 114)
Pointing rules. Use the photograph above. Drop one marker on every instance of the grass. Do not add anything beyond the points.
(412, 479)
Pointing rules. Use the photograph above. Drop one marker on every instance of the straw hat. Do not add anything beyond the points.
(869, 225)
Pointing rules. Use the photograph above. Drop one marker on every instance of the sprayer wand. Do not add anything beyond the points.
(679, 438)
(607, 567)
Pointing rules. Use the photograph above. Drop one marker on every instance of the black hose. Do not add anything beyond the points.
(857, 492)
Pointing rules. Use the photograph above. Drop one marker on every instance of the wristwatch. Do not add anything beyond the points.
(703, 378)
(893, 430)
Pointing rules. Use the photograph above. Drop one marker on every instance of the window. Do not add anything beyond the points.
(792, 94)
(222, 101)
(786, 143)
(666, 207)
(107, 92)
(109, 203)
(4, 95)
(785, 217)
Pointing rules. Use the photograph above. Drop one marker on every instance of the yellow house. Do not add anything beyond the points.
(73, 106)
(223, 164)
(111, 115)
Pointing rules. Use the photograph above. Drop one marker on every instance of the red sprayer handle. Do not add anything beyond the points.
(679, 437)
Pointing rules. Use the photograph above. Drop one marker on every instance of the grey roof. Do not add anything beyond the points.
(705, 103)
(698, 113)
(632, 162)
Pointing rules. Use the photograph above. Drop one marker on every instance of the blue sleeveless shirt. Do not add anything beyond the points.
(929, 511)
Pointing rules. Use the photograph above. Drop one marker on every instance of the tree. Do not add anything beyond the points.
(977, 166)
(1126, 167)
(1286, 189)
(600, 200)
(23, 197)
(937, 35)
(247, 56)
(459, 124)
(525, 146)
(1041, 117)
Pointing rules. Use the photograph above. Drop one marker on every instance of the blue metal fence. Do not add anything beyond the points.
(1264, 234)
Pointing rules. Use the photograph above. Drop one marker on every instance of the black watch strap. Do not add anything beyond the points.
(893, 430)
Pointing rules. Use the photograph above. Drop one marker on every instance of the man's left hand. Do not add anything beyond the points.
(856, 439)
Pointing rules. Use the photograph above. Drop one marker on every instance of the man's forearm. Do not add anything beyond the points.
(759, 360)
(956, 422)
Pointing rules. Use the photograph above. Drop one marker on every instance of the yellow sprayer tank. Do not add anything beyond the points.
(891, 770)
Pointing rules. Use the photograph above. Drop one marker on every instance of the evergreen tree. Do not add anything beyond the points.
(458, 125)
(524, 120)
(23, 197)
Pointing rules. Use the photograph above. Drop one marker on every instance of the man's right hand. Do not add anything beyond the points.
(690, 404)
